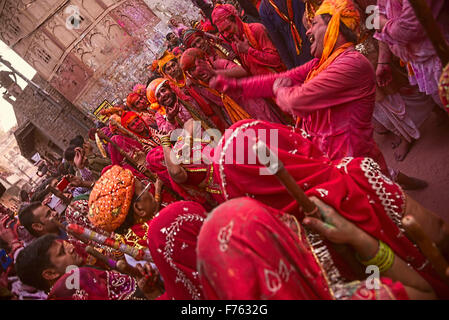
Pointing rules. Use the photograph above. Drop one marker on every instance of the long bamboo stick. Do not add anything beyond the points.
(427, 246)
(276, 167)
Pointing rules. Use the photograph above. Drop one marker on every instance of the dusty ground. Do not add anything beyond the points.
(428, 160)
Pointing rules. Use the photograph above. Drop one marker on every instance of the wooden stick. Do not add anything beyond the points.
(276, 167)
(120, 265)
(109, 262)
(427, 246)
(138, 254)
(433, 30)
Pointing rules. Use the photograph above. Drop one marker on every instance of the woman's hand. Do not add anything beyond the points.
(384, 75)
(7, 233)
(332, 225)
(149, 282)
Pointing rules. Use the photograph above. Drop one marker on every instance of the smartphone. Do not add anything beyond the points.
(62, 184)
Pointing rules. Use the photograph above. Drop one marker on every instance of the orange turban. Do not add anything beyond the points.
(340, 10)
(152, 90)
(110, 199)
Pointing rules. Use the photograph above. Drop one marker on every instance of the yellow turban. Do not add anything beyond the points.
(340, 10)
(167, 57)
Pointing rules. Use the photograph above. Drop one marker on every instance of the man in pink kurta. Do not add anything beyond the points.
(249, 40)
(336, 106)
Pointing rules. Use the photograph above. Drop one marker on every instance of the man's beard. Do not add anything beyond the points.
(173, 100)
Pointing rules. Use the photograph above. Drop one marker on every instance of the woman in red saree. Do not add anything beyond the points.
(355, 187)
(195, 183)
(247, 250)
(172, 238)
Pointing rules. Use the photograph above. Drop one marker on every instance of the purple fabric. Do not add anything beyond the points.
(408, 40)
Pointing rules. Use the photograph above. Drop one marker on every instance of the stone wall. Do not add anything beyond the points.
(58, 124)
(97, 52)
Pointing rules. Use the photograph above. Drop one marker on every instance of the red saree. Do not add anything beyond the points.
(355, 187)
(249, 251)
(172, 239)
(95, 285)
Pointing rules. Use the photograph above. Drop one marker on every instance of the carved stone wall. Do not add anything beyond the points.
(52, 126)
(90, 50)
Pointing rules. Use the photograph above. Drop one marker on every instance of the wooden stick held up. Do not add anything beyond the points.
(427, 246)
(276, 167)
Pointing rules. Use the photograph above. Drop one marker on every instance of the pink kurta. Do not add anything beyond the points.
(336, 106)
(408, 40)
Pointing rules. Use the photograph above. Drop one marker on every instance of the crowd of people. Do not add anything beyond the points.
(176, 196)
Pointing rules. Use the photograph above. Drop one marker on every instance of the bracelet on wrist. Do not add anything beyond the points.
(383, 259)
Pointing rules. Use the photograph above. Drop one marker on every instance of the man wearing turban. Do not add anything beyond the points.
(137, 101)
(198, 68)
(173, 110)
(214, 47)
(333, 94)
(169, 67)
(249, 40)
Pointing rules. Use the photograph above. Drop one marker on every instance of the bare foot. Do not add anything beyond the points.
(410, 183)
(402, 150)
(396, 141)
